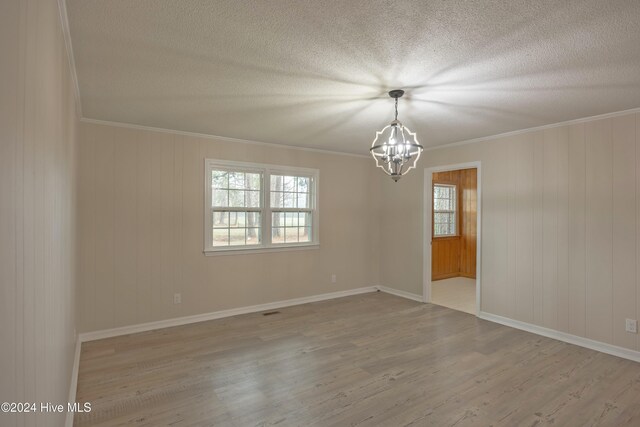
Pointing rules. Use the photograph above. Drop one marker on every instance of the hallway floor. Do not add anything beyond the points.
(457, 293)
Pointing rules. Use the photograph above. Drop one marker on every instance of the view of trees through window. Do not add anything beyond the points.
(236, 202)
(236, 208)
(290, 209)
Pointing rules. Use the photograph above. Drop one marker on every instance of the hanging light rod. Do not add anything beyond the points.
(395, 148)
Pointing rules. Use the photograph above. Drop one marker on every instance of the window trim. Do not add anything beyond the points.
(265, 207)
(455, 212)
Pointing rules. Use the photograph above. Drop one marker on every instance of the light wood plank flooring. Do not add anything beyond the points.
(458, 293)
(370, 360)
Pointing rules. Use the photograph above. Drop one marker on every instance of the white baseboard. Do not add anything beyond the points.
(399, 293)
(614, 350)
(73, 387)
(179, 321)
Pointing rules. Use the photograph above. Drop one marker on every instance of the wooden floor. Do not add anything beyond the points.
(372, 359)
(458, 293)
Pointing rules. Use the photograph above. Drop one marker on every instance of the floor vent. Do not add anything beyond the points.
(269, 313)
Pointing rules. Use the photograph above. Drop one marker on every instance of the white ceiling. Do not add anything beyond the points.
(316, 73)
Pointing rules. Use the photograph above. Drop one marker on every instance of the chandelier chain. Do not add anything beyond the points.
(396, 108)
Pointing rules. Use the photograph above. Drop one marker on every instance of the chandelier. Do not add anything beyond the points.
(395, 148)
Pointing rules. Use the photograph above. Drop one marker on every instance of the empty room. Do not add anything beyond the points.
(319, 213)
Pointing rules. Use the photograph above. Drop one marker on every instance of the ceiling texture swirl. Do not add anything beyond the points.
(316, 73)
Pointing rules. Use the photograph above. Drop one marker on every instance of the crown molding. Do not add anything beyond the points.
(217, 137)
(64, 22)
(535, 129)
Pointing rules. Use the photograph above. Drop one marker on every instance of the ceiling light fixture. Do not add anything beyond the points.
(395, 148)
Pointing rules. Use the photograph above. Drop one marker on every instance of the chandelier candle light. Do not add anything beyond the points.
(395, 148)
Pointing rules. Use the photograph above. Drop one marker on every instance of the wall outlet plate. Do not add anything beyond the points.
(177, 298)
(631, 325)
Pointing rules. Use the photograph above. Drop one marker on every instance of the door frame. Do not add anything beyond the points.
(427, 229)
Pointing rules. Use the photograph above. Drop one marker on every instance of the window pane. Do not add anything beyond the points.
(291, 219)
(277, 219)
(276, 199)
(236, 198)
(253, 236)
(303, 184)
(252, 199)
(305, 234)
(291, 234)
(220, 179)
(288, 183)
(276, 183)
(253, 219)
(237, 236)
(220, 198)
(221, 220)
(303, 200)
(289, 200)
(443, 205)
(304, 219)
(253, 181)
(277, 235)
(441, 218)
(236, 180)
(237, 219)
(220, 237)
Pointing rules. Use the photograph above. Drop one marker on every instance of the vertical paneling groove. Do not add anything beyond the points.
(512, 233)
(563, 230)
(524, 249)
(143, 228)
(179, 209)
(550, 229)
(538, 231)
(637, 290)
(599, 231)
(624, 228)
(125, 231)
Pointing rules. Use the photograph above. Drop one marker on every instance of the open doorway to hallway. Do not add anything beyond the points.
(454, 211)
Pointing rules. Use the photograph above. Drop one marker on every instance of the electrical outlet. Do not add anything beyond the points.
(177, 298)
(631, 326)
(334, 279)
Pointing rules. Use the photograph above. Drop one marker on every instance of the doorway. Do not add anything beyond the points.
(452, 236)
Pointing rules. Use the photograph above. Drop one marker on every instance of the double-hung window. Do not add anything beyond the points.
(444, 210)
(252, 206)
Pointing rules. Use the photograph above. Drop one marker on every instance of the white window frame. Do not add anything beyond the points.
(454, 212)
(265, 207)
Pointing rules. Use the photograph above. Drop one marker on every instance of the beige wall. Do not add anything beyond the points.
(37, 210)
(141, 229)
(560, 229)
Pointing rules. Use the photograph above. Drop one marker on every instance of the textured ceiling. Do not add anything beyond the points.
(316, 73)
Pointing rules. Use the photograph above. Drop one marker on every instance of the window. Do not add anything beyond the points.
(253, 206)
(444, 210)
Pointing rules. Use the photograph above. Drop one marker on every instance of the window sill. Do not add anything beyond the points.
(262, 249)
(457, 236)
